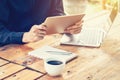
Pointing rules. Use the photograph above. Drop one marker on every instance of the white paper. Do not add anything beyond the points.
(43, 53)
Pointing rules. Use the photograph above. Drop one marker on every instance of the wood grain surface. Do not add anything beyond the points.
(101, 63)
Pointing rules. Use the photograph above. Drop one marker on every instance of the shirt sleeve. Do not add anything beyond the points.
(56, 8)
(7, 36)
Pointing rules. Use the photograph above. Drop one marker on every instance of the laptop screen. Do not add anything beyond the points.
(114, 11)
(112, 16)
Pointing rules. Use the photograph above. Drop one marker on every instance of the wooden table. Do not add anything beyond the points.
(101, 63)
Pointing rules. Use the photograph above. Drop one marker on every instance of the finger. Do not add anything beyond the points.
(35, 34)
(79, 23)
(40, 35)
(37, 38)
(73, 31)
(33, 28)
(40, 32)
(66, 31)
(42, 27)
(38, 27)
(80, 28)
(74, 27)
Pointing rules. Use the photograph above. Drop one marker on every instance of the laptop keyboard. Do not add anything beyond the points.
(87, 37)
(91, 37)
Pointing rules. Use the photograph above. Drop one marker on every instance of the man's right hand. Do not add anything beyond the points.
(36, 33)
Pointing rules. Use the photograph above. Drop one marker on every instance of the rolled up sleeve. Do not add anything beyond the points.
(8, 37)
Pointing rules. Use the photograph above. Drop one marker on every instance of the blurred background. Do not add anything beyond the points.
(86, 6)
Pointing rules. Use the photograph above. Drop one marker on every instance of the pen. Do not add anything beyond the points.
(59, 52)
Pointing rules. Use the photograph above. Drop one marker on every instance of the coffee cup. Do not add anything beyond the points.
(54, 66)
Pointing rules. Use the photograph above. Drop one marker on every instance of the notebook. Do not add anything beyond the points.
(48, 51)
(91, 37)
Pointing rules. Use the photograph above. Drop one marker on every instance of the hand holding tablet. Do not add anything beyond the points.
(58, 24)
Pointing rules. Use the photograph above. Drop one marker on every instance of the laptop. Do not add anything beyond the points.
(92, 37)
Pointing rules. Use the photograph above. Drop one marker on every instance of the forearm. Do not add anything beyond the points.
(10, 37)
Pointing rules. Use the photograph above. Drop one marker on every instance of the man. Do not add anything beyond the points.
(21, 20)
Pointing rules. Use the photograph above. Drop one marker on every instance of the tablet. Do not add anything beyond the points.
(59, 23)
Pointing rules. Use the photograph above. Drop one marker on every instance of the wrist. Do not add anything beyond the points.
(25, 38)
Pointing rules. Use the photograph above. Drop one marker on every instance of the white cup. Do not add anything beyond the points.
(54, 66)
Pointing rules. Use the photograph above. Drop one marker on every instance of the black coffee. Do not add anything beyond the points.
(54, 62)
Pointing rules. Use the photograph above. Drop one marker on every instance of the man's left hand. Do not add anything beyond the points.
(74, 29)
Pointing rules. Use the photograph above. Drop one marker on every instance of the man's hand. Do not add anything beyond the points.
(74, 29)
(36, 33)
